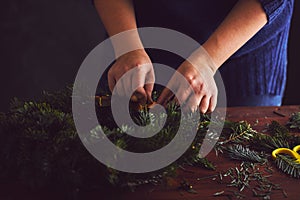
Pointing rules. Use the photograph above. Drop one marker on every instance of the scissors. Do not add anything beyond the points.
(294, 153)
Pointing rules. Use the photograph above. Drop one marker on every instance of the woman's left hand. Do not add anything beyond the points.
(197, 89)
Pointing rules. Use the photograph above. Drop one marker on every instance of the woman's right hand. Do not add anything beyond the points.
(140, 76)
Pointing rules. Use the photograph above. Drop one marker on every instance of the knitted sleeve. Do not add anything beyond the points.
(273, 8)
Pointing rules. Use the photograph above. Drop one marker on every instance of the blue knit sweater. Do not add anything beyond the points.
(256, 74)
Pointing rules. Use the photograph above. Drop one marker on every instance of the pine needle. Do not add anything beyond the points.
(288, 165)
(239, 152)
(294, 121)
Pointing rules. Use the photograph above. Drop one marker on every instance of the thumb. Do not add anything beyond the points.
(165, 97)
(140, 96)
(149, 90)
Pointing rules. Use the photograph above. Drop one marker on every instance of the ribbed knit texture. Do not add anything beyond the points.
(259, 72)
(258, 68)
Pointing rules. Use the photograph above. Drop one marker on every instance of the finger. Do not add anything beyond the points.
(138, 77)
(111, 81)
(213, 103)
(149, 88)
(150, 79)
(126, 81)
(192, 103)
(141, 95)
(119, 87)
(176, 101)
(204, 104)
(138, 81)
(183, 94)
(168, 93)
(165, 97)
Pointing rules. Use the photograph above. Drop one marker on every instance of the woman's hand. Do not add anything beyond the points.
(199, 80)
(139, 76)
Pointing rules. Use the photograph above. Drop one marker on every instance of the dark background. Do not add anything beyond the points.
(42, 44)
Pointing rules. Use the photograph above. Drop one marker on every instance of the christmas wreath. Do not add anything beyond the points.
(40, 147)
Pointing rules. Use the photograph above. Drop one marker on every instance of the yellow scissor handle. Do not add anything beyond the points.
(296, 148)
(290, 152)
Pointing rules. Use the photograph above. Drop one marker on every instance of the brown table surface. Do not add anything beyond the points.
(207, 187)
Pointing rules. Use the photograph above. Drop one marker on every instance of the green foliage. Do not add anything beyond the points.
(240, 136)
(236, 132)
(279, 131)
(203, 162)
(268, 143)
(162, 138)
(278, 137)
(288, 165)
(239, 152)
(294, 122)
(247, 176)
(40, 147)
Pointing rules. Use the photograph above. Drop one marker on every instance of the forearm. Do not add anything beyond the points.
(118, 16)
(242, 23)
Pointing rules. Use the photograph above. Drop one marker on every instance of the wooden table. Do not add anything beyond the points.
(205, 187)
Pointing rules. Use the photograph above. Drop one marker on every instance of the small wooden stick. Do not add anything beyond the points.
(279, 113)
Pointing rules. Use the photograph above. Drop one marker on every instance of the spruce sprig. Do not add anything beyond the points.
(294, 121)
(240, 152)
(278, 137)
(279, 131)
(288, 165)
(237, 132)
(268, 143)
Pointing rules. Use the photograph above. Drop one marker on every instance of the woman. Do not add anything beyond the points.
(246, 40)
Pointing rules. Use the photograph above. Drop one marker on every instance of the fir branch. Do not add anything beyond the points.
(239, 152)
(294, 140)
(294, 121)
(237, 132)
(279, 137)
(204, 162)
(288, 165)
(278, 130)
(199, 162)
(268, 143)
(44, 148)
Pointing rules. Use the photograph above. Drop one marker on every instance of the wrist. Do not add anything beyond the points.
(137, 53)
(200, 58)
(126, 41)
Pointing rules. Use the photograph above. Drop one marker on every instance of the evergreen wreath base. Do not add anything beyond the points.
(39, 146)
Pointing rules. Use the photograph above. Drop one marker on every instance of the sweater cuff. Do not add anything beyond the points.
(272, 8)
